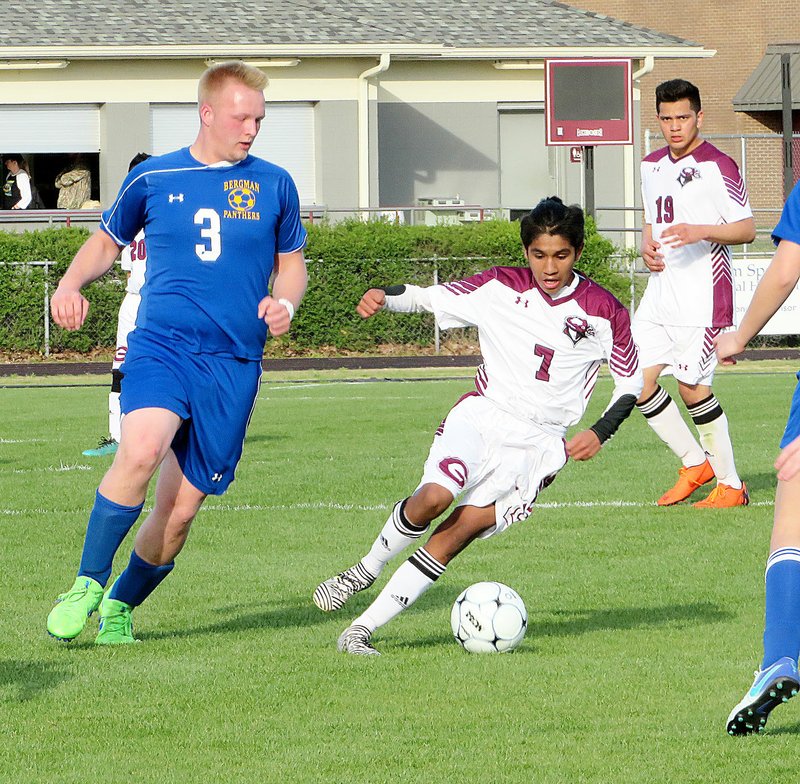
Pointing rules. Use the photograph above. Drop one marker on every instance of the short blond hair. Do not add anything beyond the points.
(234, 70)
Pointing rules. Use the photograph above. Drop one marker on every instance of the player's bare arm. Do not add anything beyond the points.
(773, 290)
(736, 233)
(654, 261)
(372, 302)
(95, 257)
(288, 288)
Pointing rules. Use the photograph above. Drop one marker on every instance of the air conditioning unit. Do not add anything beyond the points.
(440, 201)
(433, 216)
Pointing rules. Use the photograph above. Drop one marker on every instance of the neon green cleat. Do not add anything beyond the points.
(106, 446)
(116, 625)
(67, 619)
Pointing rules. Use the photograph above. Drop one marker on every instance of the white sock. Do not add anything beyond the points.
(114, 416)
(405, 586)
(664, 416)
(712, 426)
(397, 534)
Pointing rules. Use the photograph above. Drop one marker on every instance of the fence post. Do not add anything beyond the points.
(436, 335)
(47, 308)
(632, 263)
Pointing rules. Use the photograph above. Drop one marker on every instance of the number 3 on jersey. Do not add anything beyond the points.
(210, 249)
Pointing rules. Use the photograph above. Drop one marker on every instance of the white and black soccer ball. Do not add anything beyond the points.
(489, 617)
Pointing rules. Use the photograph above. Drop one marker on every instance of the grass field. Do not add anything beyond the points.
(644, 623)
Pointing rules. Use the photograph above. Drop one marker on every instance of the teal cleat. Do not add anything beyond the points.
(72, 609)
(116, 624)
(772, 686)
(106, 446)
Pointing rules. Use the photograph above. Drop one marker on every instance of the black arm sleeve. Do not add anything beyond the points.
(394, 291)
(608, 424)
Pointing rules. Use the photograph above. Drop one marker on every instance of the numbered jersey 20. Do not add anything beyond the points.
(701, 188)
(212, 235)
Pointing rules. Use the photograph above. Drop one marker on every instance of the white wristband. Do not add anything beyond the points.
(288, 305)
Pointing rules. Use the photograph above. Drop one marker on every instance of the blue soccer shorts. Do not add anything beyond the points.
(213, 395)
(792, 430)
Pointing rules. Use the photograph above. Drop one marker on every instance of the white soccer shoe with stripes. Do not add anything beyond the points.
(355, 640)
(333, 593)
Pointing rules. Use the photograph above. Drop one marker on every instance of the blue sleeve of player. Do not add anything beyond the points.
(291, 233)
(788, 227)
(124, 219)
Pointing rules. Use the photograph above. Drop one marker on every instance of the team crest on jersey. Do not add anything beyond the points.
(688, 174)
(577, 328)
(242, 199)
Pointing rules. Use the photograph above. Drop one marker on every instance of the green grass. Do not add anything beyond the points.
(645, 623)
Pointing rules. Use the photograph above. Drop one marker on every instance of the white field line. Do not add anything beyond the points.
(339, 507)
(50, 469)
(21, 440)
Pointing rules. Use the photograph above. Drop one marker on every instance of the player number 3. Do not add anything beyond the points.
(212, 247)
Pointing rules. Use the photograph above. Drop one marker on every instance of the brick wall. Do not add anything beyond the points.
(739, 30)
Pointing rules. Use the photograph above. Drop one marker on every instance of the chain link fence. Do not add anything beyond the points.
(325, 323)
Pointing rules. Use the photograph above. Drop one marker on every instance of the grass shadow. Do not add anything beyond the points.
(285, 615)
(791, 729)
(576, 622)
(25, 680)
(765, 481)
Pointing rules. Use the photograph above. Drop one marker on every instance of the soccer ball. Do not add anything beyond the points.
(489, 617)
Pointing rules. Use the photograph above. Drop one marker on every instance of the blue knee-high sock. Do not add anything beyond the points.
(108, 525)
(782, 621)
(139, 580)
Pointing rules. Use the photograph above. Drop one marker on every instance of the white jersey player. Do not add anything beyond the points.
(133, 261)
(543, 331)
(696, 206)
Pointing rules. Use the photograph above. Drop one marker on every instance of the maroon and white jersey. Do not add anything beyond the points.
(541, 356)
(704, 187)
(133, 259)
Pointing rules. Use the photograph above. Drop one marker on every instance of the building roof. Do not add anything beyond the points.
(762, 92)
(124, 28)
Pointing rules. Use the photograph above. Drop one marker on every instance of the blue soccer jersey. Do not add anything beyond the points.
(788, 227)
(212, 235)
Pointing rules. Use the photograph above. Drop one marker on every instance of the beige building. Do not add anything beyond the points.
(371, 106)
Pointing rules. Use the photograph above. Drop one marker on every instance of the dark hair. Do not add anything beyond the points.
(552, 216)
(17, 158)
(138, 158)
(677, 90)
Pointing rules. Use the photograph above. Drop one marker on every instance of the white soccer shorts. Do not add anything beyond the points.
(688, 352)
(126, 322)
(484, 455)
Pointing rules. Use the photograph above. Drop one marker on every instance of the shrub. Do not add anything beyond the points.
(344, 259)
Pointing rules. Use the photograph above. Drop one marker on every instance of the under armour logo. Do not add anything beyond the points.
(175, 197)
(216, 477)
(520, 301)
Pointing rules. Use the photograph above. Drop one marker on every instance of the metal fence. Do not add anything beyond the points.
(28, 316)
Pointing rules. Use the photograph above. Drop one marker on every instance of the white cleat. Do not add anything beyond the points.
(333, 593)
(356, 641)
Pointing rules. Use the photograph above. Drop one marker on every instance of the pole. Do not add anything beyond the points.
(47, 309)
(588, 179)
(786, 102)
